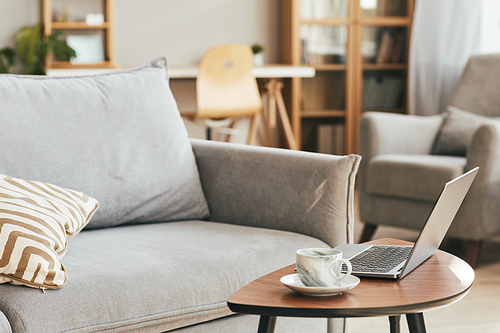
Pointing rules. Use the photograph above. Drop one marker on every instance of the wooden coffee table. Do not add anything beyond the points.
(441, 280)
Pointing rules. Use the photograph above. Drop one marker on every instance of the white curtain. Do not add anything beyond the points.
(445, 34)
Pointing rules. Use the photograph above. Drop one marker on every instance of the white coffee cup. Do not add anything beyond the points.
(321, 267)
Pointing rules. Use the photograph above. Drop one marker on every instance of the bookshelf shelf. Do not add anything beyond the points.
(323, 113)
(330, 67)
(78, 25)
(103, 33)
(386, 21)
(67, 64)
(375, 67)
(359, 50)
(330, 21)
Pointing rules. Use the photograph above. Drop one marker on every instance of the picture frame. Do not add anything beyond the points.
(88, 48)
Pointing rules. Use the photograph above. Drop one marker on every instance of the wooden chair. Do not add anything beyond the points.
(226, 90)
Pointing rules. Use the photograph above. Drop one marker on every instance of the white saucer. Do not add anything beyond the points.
(293, 282)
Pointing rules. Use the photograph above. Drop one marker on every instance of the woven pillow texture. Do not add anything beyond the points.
(36, 220)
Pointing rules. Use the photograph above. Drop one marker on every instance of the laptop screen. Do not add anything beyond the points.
(439, 220)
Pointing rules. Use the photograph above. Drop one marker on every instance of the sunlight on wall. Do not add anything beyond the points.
(490, 27)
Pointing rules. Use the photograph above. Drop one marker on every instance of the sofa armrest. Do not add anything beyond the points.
(481, 203)
(307, 193)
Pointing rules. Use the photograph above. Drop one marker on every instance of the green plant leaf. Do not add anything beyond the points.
(31, 49)
(257, 48)
(7, 59)
(60, 49)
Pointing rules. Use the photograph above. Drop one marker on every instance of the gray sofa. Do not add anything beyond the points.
(182, 224)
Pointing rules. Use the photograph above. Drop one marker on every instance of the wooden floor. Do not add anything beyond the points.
(479, 311)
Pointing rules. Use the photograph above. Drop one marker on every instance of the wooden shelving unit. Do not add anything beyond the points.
(106, 29)
(360, 52)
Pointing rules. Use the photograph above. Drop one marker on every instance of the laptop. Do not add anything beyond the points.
(395, 262)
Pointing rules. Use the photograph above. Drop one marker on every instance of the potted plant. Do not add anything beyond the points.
(258, 57)
(7, 55)
(33, 48)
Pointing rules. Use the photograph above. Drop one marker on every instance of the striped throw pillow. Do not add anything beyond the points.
(36, 220)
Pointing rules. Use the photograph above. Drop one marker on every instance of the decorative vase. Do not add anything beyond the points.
(258, 59)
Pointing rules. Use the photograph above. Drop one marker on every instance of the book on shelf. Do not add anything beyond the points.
(392, 8)
(385, 47)
(391, 45)
(399, 44)
(323, 44)
(330, 139)
(382, 92)
(322, 9)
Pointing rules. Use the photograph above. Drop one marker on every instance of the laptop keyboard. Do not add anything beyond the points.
(379, 258)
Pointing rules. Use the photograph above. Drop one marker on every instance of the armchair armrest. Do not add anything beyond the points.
(481, 203)
(307, 193)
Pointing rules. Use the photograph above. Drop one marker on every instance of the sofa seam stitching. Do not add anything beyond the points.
(219, 305)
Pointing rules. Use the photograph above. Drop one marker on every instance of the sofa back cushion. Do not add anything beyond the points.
(118, 137)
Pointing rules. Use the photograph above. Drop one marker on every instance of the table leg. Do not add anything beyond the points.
(287, 127)
(253, 128)
(273, 90)
(267, 129)
(267, 324)
(271, 95)
(395, 323)
(416, 322)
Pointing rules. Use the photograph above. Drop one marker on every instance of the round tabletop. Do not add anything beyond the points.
(439, 281)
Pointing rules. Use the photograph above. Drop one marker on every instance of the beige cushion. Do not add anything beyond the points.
(36, 220)
(457, 131)
(419, 177)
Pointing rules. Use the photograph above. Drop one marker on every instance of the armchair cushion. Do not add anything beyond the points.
(456, 132)
(118, 137)
(419, 177)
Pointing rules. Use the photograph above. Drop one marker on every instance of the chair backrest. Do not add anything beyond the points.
(225, 85)
(479, 87)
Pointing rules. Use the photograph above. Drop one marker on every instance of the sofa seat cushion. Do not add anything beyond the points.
(165, 275)
(419, 177)
(117, 137)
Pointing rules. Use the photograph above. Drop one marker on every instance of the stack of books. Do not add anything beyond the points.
(383, 92)
(331, 139)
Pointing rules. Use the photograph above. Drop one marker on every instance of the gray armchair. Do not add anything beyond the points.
(407, 159)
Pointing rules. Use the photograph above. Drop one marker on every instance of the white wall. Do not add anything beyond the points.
(13, 15)
(178, 29)
(490, 26)
(183, 29)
